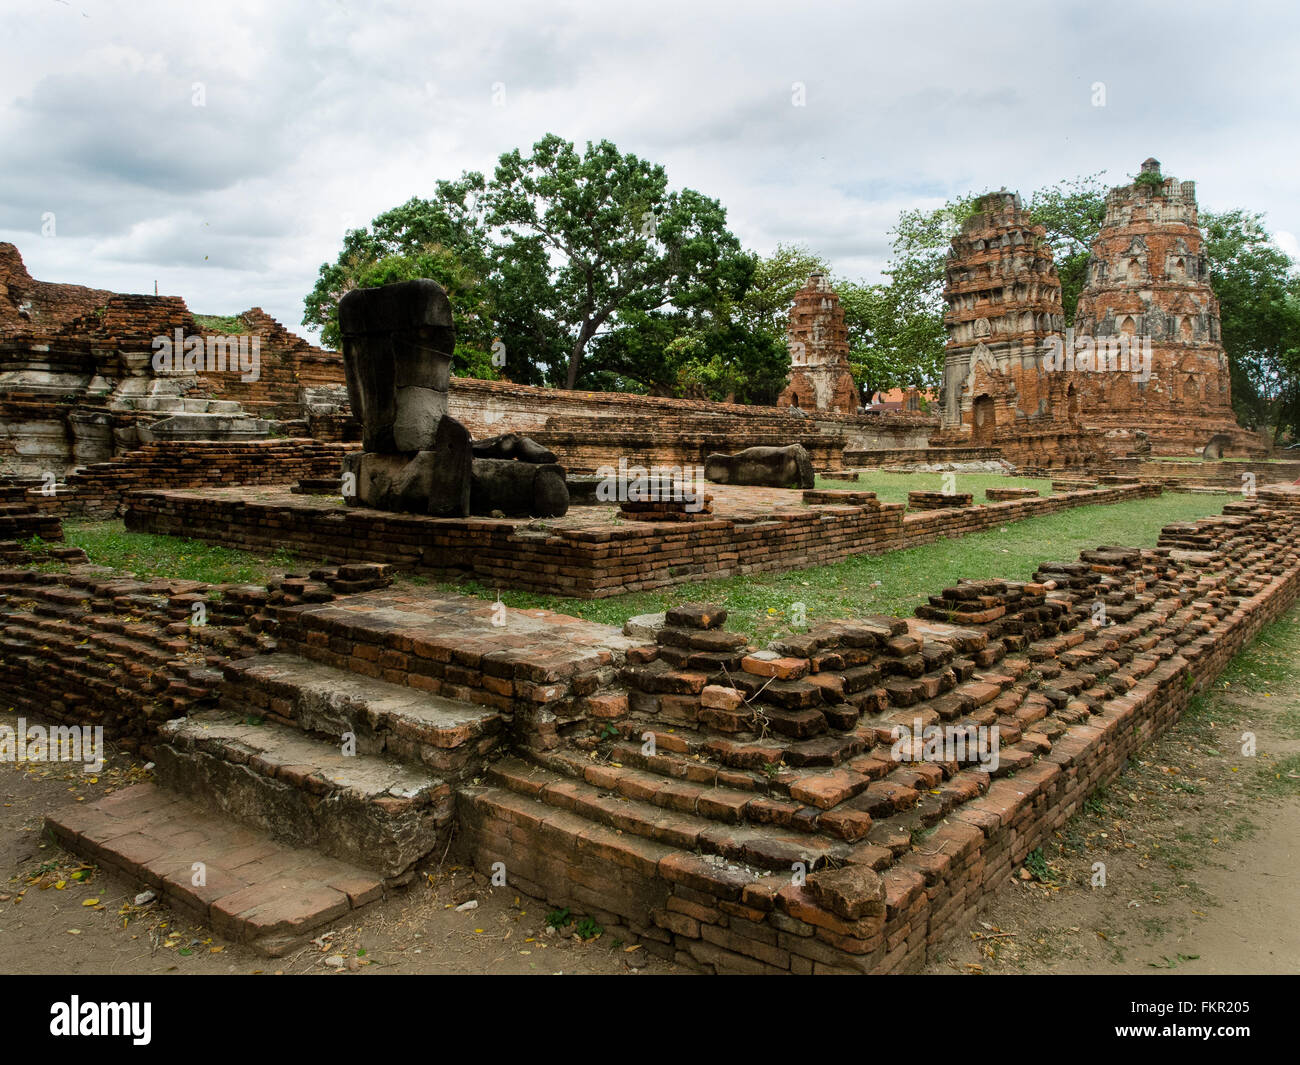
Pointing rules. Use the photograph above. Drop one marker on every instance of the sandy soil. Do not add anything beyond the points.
(59, 915)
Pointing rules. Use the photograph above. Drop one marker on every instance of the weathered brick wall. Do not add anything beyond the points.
(288, 364)
(29, 306)
(1226, 474)
(593, 424)
(585, 444)
(100, 490)
(74, 361)
(588, 563)
(86, 648)
(904, 456)
(23, 516)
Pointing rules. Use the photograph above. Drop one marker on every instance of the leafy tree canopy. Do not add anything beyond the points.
(1258, 287)
(556, 249)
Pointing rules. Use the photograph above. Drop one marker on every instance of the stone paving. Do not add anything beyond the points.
(247, 887)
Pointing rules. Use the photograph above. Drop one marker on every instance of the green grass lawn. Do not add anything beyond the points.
(107, 543)
(763, 604)
(893, 487)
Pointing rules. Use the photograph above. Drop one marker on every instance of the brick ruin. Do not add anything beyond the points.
(664, 780)
(592, 552)
(1147, 285)
(78, 389)
(1148, 279)
(78, 384)
(820, 378)
(1004, 301)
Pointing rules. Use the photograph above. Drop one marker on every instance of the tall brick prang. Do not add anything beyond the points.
(1149, 280)
(1004, 303)
(820, 378)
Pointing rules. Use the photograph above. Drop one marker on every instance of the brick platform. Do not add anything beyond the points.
(255, 891)
(767, 762)
(585, 554)
(668, 788)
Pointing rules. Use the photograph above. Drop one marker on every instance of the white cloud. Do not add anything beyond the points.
(320, 113)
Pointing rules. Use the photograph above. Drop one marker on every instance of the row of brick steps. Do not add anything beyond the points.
(247, 887)
(335, 760)
(99, 639)
(367, 809)
(707, 796)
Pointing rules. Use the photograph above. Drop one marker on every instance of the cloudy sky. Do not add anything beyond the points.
(319, 115)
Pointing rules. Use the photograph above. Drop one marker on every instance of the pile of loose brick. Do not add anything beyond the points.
(23, 517)
(838, 497)
(668, 509)
(30, 528)
(938, 500)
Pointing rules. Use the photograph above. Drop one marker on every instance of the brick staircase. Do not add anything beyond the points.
(731, 808)
(758, 812)
(306, 781)
(358, 768)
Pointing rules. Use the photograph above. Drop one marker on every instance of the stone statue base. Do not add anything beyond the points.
(450, 481)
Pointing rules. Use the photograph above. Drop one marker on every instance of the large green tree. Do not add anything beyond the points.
(1258, 287)
(442, 238)
(616, 239)
(893, 341)
(558, 248)
(1072, 212)
(720, 350)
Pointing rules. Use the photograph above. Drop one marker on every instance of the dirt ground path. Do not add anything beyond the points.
(1200, 844)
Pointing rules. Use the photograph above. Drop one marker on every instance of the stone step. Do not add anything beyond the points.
(239, 881)
(368, 809)
(445, 735)
(764, 832)
(100, 648)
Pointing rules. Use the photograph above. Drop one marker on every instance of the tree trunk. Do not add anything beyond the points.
(575, 359)
(575, 356)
